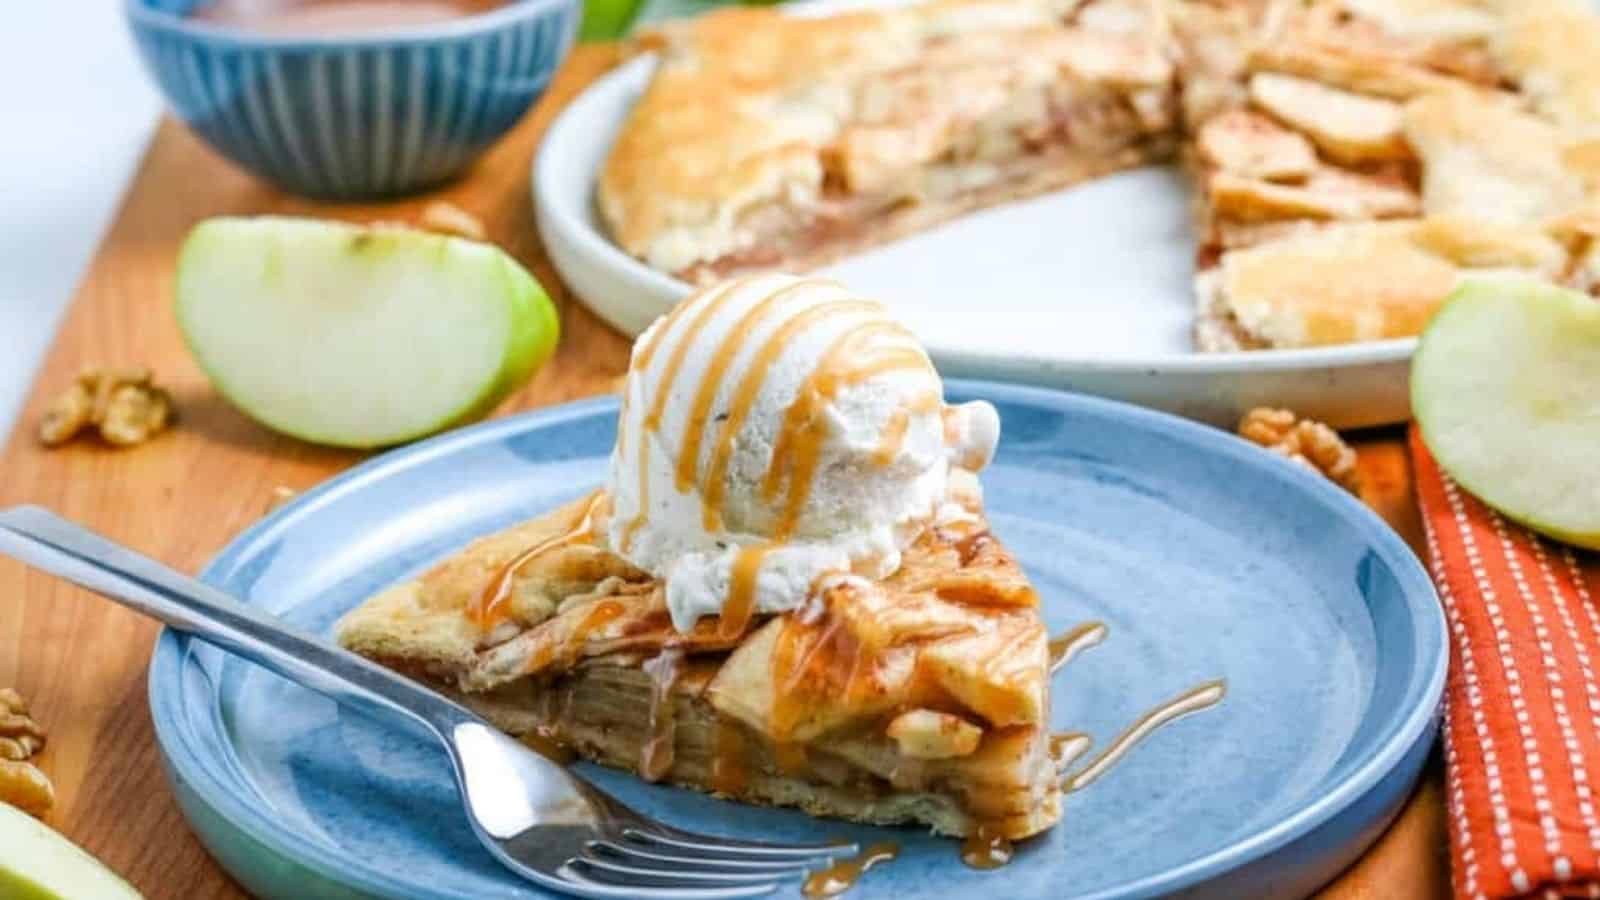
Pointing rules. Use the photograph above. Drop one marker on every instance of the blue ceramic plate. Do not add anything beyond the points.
(1207, 557)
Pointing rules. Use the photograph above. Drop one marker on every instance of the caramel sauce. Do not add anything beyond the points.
(711, 380)
(968, 548)
(894, 435)
(489, 607)
(652, 419)
(659, 751)
(1066, 747)
(791, 757)
(842, 875)
(952, 433)
(604, 613)
(548, 747)
(741, 602)
(1066, 646)
(745, 393)
(848, 361)
(986, 848)
(894, 430)
(600, 615)
(1206, 695)
(1008, 656)
(730, 764)
(321, 16)
(801, 646)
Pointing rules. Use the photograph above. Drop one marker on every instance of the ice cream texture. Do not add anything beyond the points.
(774, 430)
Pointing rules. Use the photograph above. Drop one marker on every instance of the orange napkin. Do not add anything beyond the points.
(1522, 709)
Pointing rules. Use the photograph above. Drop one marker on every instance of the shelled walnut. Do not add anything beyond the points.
(1305, 441)
(123, 405)
(21, 783)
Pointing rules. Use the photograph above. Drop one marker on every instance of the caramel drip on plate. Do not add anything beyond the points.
(986, 848)
(489, 608)
(1206, 695)
(749, 387)
(842, 875)
(652, 420)
(730, 762)
(848, 361)
(704, 395)
(741, 602)
(660, 751)
(1066, 747)
(1066, 646)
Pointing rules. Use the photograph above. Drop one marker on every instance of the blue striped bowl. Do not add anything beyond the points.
(359, 115)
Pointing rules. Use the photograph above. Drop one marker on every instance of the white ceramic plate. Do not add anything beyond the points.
(1086, 289)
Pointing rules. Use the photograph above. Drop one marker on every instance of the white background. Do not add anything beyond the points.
(78, 111)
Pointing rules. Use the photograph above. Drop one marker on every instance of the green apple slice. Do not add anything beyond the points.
(1506, 387)
(36, 863)
(358, 337)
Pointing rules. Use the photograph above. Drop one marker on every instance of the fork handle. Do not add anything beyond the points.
(48, 542)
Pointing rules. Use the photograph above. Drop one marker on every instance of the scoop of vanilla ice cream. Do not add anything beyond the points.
(787, 415)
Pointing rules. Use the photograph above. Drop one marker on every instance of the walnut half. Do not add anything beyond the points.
(124, 405)
(1306, 441)
(21, 783)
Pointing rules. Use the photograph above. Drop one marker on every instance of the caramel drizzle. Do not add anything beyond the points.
(730, 766)
(986, 848)
(894, 430)
(1068, 746)
(652, 420)
(798, 646)
(706, 393)
(791, 757)
(1075, 641)
(749, 387)
(488, 608)
(846, 362)
(741, 603)
(1008, 656)
(842, 875)
(660, 751)
(1202, 697)
(600, 615)
(894, 435)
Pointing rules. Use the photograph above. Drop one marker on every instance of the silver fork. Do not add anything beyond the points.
(537, 817)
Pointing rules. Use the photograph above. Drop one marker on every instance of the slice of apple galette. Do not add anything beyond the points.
(787, 591)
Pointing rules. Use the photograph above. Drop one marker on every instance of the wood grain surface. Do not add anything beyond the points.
(81, 660)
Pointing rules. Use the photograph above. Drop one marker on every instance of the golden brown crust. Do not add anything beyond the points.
(1359, 281)
(756, 123)
(1356, 282)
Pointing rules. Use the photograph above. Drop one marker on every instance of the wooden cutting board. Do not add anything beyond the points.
(81, 660)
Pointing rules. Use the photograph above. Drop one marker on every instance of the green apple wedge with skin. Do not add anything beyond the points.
(358, 337)
(36, 863)
(1505, 385)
